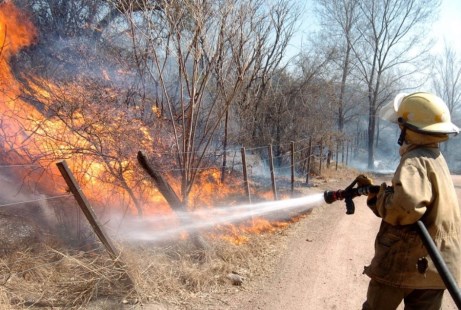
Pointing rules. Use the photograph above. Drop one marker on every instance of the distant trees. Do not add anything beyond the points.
(388, 43)
(207, 75)
(339, 21)
(446, 79)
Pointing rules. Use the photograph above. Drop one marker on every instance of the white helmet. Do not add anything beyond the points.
(421, 112)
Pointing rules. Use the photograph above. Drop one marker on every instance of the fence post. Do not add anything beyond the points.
(309, 150)
(347, 151)
(337, 153)
(292, 167)
(90, 215)
(321, 156)
(246, 185)
(271, 164)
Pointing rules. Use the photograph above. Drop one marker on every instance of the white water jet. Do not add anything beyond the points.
(145, 229)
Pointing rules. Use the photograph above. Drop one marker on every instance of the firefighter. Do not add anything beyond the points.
(421, 189)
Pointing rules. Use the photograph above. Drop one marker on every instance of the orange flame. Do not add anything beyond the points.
(16, 30)
(20, 119)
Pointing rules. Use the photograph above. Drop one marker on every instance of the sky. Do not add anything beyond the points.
(446, 28)
(449, 25)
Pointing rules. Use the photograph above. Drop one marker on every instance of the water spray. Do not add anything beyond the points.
(202, 219)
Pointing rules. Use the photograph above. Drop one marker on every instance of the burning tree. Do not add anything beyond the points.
(167, 93)
(44, 120)
(200, 57)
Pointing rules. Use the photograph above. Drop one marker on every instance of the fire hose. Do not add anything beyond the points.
(350, 192)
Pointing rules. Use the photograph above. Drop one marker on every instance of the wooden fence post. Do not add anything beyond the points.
(91, 216)
(292, 167)
(86, 208)
(347, 152)
(337, 154)
(341, 145)
(321, 156)
(246, 185)
(309, 151)
(271, 164)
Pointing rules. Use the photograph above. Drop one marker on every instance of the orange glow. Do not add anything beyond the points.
(106, 172)
(16, 31)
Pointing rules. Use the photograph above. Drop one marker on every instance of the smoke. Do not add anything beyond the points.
(25, 203)
(386, 155)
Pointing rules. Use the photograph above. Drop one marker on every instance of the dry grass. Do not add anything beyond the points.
(175, 275)
(181, 276)
(50, 278)
(334, 176)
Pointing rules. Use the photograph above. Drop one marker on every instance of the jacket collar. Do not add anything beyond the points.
(414, 140)
(405, 148)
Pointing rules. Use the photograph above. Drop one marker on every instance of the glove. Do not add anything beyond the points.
(376, 201)
(363, 181)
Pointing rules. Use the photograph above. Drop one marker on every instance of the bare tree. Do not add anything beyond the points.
(446, 79)
(339, 20)
(199, 55)
(392, 38)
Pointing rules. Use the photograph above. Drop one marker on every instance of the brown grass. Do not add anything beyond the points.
(181, 276)
(48, 277)
(175, 275)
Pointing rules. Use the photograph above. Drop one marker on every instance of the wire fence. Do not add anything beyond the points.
(283, 166)
(280, 168)
(253, 171)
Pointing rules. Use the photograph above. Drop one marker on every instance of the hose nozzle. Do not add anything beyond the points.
(348, 194)
(332, 196)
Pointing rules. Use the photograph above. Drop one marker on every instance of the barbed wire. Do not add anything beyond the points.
(234, 165)
(34, 200)
(20, 165)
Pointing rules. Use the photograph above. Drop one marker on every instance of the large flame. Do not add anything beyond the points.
(16, 32)
(110, 178)
(26, 133)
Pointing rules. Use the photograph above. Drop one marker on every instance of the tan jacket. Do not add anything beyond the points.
(422, 188)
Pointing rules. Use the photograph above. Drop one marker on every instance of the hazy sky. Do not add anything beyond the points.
(447, 27)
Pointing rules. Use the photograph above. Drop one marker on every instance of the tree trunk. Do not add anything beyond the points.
(343, 88)
(371, 138)
(224, 160)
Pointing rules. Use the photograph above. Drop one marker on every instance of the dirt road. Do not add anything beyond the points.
(321, 267)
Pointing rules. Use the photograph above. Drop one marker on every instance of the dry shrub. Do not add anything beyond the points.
(4, 300)
(174, 274)
(182, 277)
(50, 278)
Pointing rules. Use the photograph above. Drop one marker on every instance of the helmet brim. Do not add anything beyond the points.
(438, 128)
